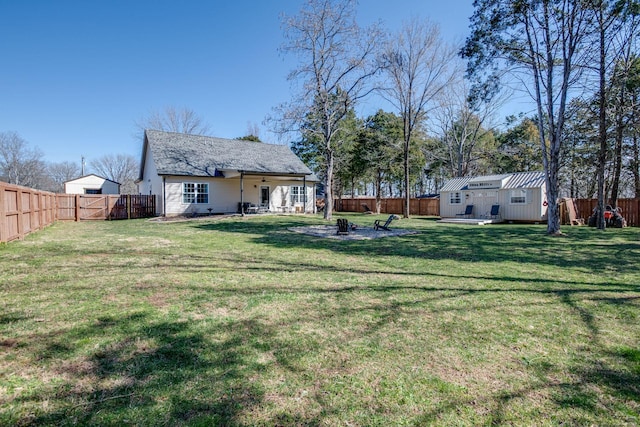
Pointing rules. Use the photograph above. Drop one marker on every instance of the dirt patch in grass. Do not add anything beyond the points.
(183, 218)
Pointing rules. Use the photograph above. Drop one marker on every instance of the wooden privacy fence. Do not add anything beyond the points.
(427, 207)
(630, 209)
(82, 207)
(24, 210)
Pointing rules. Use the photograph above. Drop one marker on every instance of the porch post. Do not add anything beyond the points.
(304, 198)
(242, 193)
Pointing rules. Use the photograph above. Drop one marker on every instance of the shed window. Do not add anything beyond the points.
(455, 198)
(297, 194)
(193, 192)
(518, 197)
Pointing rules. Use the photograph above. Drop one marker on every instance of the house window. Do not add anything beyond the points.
(195, 192)
(93, 191)
(297, 194)
(455, 198)
(518, 197)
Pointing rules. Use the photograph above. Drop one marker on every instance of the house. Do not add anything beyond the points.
(522, 197)
(194, 174)
(91, 184)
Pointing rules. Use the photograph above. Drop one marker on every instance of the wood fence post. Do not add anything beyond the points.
(40, 197)
(19, 208)
(77, 200)
(4, 228)
(33, 212)
(128, 206)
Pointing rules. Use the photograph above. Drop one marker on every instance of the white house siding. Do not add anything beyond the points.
(281, 198)
(91, 182)
(151, 183)
(224, 195)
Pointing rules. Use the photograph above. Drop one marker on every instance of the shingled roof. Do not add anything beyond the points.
(197, 155)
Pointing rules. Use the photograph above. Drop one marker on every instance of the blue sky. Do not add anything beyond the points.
(76, 75)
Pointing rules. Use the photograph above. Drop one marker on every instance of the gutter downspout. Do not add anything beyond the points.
(164, 196)
(241, 193)
(304, 198)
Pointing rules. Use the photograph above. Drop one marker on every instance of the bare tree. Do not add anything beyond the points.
(463, 127)
(543, 44)
(252, 134)
(615, 25)
(253, 129)
(419, 65)
(172, 119)
(20, 164)
(121, 168)
(59, 173)
(336, 62)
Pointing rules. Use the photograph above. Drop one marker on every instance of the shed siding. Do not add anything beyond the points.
(533, 210)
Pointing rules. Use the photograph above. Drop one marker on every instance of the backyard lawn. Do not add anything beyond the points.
(241, 322)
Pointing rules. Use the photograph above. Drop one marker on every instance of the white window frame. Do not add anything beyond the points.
(195, 193)
(518, 197)
(455, 198)
(297, 194)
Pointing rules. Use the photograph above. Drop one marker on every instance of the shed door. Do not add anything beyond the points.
(483, 202)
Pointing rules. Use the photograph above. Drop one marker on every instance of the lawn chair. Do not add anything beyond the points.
(343, 226)
(366, 208)
(495, 212)
(468, 211)
(377, 224)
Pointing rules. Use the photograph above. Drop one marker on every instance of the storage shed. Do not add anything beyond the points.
(521, 197)
(91, 184)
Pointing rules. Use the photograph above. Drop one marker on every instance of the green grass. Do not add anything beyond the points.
(240, 322)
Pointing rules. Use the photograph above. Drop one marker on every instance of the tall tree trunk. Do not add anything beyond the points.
(602, 128)
(407, 177)
(635, 165)
(378, 192)
(328, 187)
(617, 162)
(553, 188)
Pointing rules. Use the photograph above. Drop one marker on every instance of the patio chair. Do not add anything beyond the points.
(343, 226)
(468, 211)
(377, 225)
(495, 212)
(366, 208)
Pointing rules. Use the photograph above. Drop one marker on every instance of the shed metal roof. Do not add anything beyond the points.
(526, 180)
(456, 184)
(516, 180)
(197, 155)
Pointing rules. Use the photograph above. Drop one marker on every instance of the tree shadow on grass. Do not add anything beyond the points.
(146, 371)
(149, 370)
(594, 392)
(612, 251)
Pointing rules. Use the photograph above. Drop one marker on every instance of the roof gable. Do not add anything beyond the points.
(196, 155)
(89, 176)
